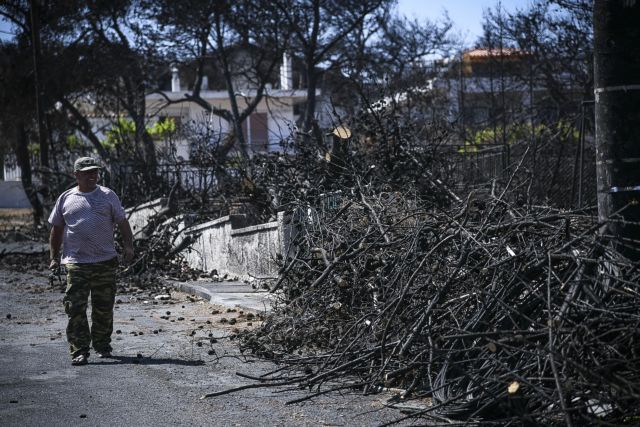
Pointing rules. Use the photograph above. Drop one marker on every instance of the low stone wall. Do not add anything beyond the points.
(254, 250)
(226, 244)
(228, 247)
(139, 216)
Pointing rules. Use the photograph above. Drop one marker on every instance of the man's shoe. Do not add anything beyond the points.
(80, 360)
(104, 354)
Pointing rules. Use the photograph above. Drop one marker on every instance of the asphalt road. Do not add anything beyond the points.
(162, 364)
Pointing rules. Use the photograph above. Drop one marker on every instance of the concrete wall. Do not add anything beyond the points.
(228, 247)
(253, 250)
(139, 215)
(226, 244)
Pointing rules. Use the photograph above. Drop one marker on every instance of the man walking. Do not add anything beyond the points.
(83, 222)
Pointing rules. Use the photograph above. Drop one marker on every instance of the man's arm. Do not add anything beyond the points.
(55, 243)
(127, 239)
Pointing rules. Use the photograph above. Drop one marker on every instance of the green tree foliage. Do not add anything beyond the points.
(562, 131)
(162, 128)
(123, 131)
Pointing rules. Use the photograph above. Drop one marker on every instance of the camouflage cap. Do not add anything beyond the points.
(86, 164)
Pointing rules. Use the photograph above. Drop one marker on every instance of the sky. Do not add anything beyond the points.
(466, 15)
(5, 29)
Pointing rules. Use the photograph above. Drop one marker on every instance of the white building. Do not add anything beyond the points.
(272, 121)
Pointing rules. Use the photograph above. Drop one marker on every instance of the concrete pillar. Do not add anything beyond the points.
(286, 72)
(175, 79)
(617, 119)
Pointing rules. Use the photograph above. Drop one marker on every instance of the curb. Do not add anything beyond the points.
(252, 301)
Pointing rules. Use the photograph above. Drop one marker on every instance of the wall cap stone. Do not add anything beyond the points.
(255, 228)
(153, 203)
(209, 224)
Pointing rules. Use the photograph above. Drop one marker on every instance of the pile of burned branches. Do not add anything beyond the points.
(492, 311)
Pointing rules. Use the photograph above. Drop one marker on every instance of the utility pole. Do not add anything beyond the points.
(617, 119)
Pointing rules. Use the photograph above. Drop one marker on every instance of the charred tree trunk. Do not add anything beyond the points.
(39, 88)
(37, 61)
(24, 161)
(142, 135)
(310, 62)
(83, 125)
(617, 116)
(310, 110)
(236, 124)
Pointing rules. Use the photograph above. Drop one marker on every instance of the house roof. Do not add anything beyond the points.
(481, 53)
(297, 94)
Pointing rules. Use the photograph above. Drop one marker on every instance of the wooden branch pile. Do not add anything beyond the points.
(493, 311)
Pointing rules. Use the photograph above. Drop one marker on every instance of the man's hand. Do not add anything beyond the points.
(55, 242)
(128, 254)
(127, 237)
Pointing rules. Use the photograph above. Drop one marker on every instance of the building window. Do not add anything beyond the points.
(256, 132)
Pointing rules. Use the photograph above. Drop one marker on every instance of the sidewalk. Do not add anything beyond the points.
(231, 294)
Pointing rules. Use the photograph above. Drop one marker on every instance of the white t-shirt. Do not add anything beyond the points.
(88, 220)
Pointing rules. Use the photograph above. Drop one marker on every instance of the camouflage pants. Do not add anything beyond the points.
(99, 280)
